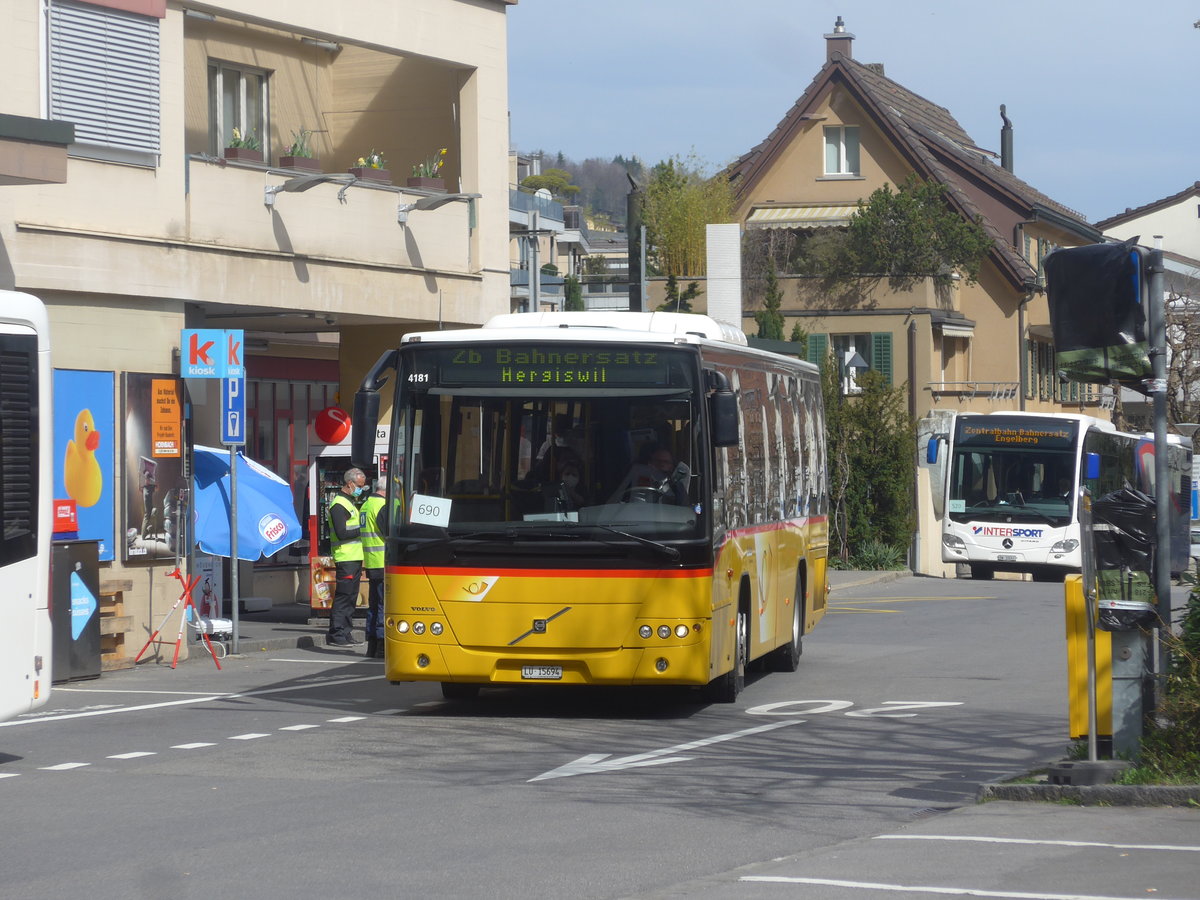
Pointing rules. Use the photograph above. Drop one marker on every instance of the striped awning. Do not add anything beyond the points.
(800, 216)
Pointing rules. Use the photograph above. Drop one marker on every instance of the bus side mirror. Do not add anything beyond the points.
(363, 427)
(722, 410)
(931, 449)
(1091, 463)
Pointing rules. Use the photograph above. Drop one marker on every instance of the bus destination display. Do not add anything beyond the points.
(1025, 433)
(561, 366)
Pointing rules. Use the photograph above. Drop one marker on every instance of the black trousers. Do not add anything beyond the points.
(345, 598)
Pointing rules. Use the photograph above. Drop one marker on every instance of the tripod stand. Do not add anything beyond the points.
(189, 610)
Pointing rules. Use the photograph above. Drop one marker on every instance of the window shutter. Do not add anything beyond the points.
(881, 354)
(818, 348)
(104, 75)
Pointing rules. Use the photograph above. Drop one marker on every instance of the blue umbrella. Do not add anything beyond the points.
(266, 520)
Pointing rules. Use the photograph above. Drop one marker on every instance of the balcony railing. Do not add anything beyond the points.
(970, 390)
(546, 209)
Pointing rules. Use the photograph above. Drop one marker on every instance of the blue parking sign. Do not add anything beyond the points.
(233, 412)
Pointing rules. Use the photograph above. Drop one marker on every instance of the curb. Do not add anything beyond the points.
(881, 577)
(1094, 795)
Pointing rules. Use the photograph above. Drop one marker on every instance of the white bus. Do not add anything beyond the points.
(25, 504)
(1012, 482)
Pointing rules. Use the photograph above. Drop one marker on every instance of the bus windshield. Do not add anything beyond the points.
(1013, 473)
(544, 442)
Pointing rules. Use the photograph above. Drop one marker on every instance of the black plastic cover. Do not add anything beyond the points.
(1096, 314)
(1123, 528)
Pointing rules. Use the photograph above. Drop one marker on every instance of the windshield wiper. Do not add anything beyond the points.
(665, 549)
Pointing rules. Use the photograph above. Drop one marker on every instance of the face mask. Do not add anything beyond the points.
(358, 491)
(570, 480)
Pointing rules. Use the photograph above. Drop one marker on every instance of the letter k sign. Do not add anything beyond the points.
(197, 352)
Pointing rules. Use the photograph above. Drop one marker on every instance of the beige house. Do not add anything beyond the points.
(125, 208)
(967, 347)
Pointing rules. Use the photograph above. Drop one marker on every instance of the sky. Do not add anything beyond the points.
(1104, 96)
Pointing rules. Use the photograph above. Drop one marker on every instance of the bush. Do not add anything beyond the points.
(876, 555)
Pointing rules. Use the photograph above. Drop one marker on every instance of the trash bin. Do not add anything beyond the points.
(75, 610)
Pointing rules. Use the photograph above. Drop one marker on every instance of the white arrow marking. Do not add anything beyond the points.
(595, 763)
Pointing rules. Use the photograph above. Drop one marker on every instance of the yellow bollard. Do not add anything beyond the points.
(1077, 666)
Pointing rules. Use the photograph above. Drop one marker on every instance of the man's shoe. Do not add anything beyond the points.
(379, 649)
(341, 641)
(372, 646)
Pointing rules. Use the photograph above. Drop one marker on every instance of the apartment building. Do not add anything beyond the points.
(169, 166)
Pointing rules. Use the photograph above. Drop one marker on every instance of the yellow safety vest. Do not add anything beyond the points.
(348, 550)
(372, 540)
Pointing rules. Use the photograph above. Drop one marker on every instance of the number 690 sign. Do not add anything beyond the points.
(426, 510)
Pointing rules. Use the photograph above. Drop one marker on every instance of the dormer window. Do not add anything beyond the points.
(841, 150)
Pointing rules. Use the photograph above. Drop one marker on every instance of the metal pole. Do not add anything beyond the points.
(233, 557)
(643, 298)
(1162, 487)
(535, 275)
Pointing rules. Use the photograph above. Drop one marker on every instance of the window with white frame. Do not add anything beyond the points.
(845, 347)
(103, 76)
(841, 150)
(237, 98)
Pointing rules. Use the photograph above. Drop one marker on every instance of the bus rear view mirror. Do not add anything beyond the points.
(363, 427)
(931, 449)
(1091, 462)
(722, 410)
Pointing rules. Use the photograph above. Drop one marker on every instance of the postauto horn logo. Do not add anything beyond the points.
(1006, 531)
(272, 528)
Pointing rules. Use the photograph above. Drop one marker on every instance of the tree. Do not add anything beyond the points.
(872, 449)
(572, 295)
(800, 336)
(677, 302)
(556, 181)
(769, 318)
(677, 204)
(907, 236)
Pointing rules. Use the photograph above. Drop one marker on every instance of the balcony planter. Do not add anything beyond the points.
(243, 154)
(427, 184)
(300, 163)
(366, 173)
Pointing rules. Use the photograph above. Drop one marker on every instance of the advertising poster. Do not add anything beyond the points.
(84, 453)
(155, 500)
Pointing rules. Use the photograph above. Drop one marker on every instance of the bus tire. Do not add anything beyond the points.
(786, 658)
(455, 690)
(725, 688)
(982, 573)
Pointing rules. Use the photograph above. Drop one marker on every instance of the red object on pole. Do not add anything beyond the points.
(332, 425)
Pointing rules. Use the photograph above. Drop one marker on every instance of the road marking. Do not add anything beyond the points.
(9, 774)
(62, 767)
(134, 755)
(249, 736)
(329, 662)
(298, 727)
(925, 889)
(205, 698)
(595, 763)
(195, 746)
(1002, 840)
(388, 712)
(347, 719)
(69, 690)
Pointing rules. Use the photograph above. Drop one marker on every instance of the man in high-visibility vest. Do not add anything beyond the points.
(372, 544)
(345, 527)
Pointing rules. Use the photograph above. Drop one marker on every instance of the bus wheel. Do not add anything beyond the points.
(453, 690)
(725, 688)
(787, 657)
(983, 573)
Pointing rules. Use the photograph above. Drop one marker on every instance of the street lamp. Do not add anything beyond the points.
(306, 182)
(431, 202)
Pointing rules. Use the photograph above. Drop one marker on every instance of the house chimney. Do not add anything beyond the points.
(1006, 150)
(839, 42)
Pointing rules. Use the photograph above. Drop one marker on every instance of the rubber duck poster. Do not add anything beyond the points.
(155, 499)
(84, 449)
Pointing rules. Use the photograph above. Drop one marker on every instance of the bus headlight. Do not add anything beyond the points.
(664, 631)
(681, 631)
(1064, 546)
(953, 541)
(402, 626)
(661, 664)
(435, 628)
(418, 627)
(645, 631)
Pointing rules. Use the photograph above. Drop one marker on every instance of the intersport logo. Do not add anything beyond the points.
(1006, 531)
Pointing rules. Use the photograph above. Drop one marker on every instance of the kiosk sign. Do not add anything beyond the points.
(211, 353)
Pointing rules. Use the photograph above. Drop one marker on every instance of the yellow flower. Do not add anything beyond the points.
(361, 161)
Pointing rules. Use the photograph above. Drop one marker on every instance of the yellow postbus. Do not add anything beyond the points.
(598, 498)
